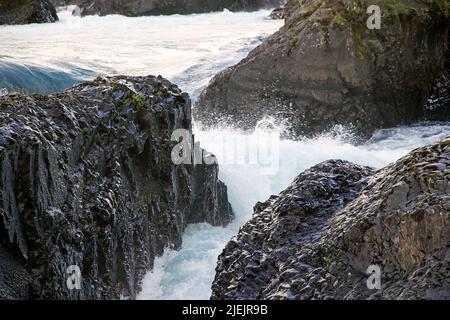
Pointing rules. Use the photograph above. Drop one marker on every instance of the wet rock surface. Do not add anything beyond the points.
(27, 11)
(157, 7)
(87, 179)
(277, 14)
(324, 67)
(317, 239)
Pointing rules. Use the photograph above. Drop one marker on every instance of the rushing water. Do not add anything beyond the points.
(188, 274)
(189, 50)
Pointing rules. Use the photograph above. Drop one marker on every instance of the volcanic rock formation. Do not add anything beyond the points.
(27, 11)
(337, 221)
(157, 7)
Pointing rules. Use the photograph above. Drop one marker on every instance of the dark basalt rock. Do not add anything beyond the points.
(158, 7)
(267, 245)
(437, 107)
(318, 237)
(87, 179)
(27, 11)
(324, 67)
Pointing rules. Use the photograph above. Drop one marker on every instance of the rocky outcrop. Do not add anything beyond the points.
(87, 180)
(318, 238)
(157, 7)
(27, 11)
(324, 67)
(277, 14)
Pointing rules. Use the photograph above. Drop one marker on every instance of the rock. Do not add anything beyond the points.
(87, 180)
(157, 7)
(59, 3)
(324, 67)
(3, 92)
(318, 238)
(277, 14)
(27, 11)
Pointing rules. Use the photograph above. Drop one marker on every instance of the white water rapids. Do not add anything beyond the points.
(189, 50)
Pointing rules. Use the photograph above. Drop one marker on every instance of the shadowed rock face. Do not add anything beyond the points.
(157, 7)
(319, 236)
(326, 68)
(277, 14)
(87, 179)
(27, 11)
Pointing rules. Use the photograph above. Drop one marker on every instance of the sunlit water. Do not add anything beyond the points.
(189, 50)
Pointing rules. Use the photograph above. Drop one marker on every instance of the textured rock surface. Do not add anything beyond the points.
(87, 179)
(27, 11)
(157, 7)
(438, 103)
(324, 67)
(303, 245)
